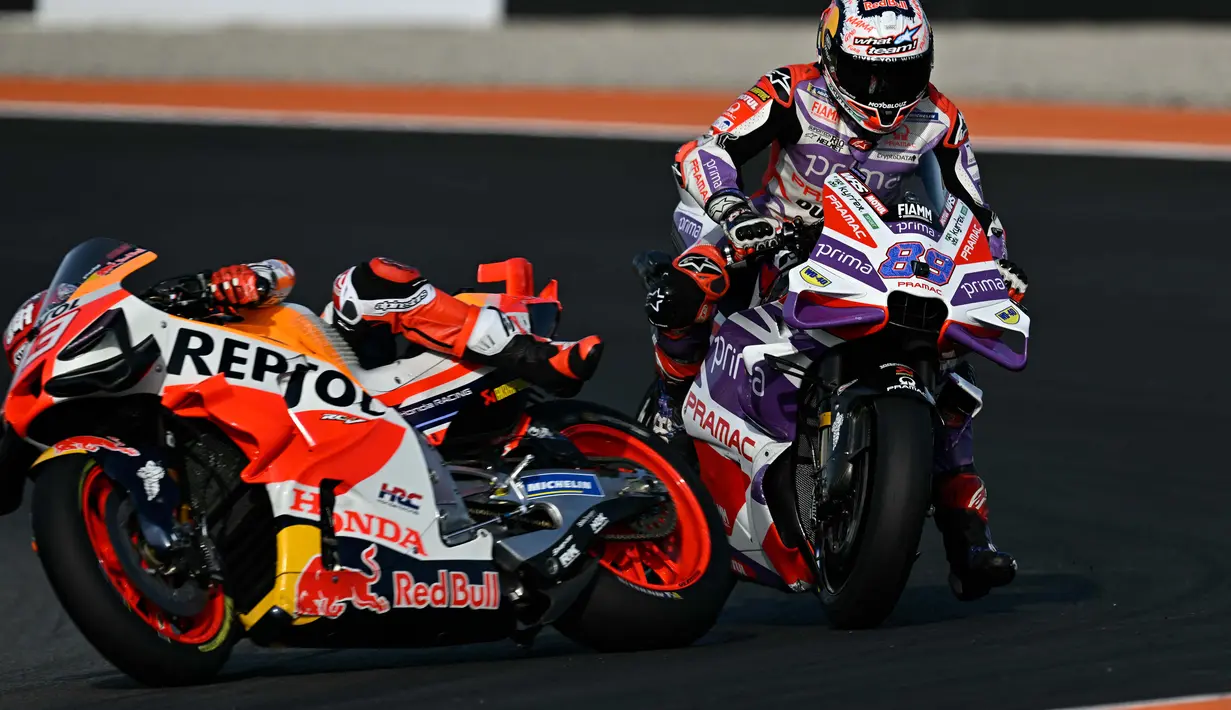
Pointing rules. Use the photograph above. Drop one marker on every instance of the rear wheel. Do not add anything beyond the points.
(868, 549)
(89, 543)
(662, 592)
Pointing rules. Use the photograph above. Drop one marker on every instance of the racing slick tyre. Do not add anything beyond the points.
(86, 536)
(868, 551)
(656, 593)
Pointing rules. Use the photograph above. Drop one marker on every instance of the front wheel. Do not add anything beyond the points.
(664, 592)
(88, 541)
(867, 550)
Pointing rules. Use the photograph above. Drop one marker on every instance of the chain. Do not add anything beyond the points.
(658, 522)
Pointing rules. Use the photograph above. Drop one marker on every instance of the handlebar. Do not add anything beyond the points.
(191, 295)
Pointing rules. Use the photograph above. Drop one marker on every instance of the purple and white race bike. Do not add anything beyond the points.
(815, 413)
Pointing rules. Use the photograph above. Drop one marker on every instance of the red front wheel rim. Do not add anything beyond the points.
(202, 628)
(667, 564)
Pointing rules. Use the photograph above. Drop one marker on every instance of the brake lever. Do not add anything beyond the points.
(183, 294)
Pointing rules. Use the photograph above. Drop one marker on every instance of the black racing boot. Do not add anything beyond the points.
(975, 564)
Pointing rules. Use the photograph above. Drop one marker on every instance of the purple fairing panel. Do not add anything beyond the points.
(723, 368)
(805, 315)
(849, 260)
(991, 348)
(774, 410)
(731, 386)
(914, 228)
(758, 483)
(980, 287)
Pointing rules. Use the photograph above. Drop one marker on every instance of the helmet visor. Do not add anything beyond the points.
(882, 84)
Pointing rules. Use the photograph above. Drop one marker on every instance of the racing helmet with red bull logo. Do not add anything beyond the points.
(876, 56)
(21, 327)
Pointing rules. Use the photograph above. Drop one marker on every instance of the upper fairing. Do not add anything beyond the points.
(860, 259)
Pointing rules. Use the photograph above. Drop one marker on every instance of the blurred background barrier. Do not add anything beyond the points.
(490, 10)
(1038, 10)
(986, 49)
(482, 13)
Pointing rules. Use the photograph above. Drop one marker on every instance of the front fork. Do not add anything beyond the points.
(832, 430)
(172, 531)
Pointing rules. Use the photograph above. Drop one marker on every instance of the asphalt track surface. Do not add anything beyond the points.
(1105, 459)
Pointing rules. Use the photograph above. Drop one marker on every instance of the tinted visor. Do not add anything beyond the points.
(882, 83)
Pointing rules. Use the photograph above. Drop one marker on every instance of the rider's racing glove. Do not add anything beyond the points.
(748, 230)
(559, 367)
(237, 285)
(1014, 279)
(686, 293)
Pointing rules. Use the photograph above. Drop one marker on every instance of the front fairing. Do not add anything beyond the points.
(853, 283)
(85, 287)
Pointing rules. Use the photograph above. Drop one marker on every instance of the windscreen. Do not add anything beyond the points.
(89, 265)
(95, 259)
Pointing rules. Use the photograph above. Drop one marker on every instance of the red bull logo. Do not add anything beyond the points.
(452, 590)
(91, 444)
(326, 592)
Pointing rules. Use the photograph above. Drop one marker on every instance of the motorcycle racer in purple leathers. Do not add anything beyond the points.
(866, 105)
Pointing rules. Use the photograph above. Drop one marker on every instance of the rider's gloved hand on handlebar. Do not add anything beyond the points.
(559, 367)
(1014, 279)
(237, 285)
(748, 230)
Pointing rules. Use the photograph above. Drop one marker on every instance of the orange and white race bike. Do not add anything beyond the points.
(200, 477)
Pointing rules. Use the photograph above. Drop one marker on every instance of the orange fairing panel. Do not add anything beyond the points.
(345, 450)
(296, 413)
(291, 329)
(332, 444)
(481, 299)
(115, 273)
(26, 398)
(256, 420)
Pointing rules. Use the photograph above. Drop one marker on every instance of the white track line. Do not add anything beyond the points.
(545, 128)
(1177, 702)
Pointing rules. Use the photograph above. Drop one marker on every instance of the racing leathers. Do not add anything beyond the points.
(380, 301)
(791, 112)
